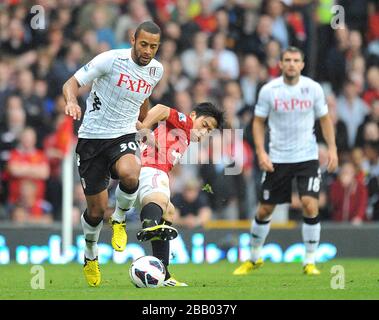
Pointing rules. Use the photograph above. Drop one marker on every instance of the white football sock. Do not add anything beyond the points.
(124, 201)
(259, 232)
(91, 235)
(311, 238)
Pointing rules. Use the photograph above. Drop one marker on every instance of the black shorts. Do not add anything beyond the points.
(95, 158)
(277, 186)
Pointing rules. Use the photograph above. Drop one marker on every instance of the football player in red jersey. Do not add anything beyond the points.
(172, 138)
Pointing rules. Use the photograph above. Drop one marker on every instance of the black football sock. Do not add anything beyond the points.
(161, 250)
(151, 215)
(127, 190)
(92, 221)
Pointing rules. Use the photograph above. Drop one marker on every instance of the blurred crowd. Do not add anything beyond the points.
(221, 51)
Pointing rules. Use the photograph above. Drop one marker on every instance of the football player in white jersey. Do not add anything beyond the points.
(291, 104)
(122, 81)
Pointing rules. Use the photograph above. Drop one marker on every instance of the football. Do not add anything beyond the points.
(147, 272)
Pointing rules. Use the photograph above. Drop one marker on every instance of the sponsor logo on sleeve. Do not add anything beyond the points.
(182, 117)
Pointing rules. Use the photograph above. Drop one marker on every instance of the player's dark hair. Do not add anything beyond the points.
(208, 109)
(148, 26)
(292, 50)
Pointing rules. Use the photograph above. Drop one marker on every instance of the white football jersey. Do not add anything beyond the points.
(291, 112)
(119, 88)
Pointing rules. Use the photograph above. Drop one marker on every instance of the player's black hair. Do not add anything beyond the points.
(292, 49)
(208, 109)
(148, 26)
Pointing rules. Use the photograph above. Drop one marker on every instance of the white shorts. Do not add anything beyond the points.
(151, 180)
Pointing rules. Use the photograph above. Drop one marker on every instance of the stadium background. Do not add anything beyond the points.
(216, 50)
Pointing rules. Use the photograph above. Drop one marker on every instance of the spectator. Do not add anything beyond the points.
(224, 61)
(206, 20)
(273, 50)
(64, 68)
(348, 196)
(352, 110)
(12, 128)
(5, 89)
(102, 28)
(336, 62)
(249, 80)
(256, 42)
(340, 127)
(223, 25)
(17, 41)
(192, 208)
(372, 92)
(26, 163)
(137, 13)
(29, 208)
(200, 54)
(280, 27)
(370, 166)
(32, 103)
(183, 102)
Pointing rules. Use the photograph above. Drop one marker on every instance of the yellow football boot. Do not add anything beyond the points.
(311, 270)
(119, 236)
(248, 266)
(92, 272)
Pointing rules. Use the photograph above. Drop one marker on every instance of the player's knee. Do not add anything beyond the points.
(96, 211)
(129, 179)
(310, 206)
(264, 212)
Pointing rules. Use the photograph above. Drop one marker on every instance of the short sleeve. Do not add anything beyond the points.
(320, 106)
(179, 120)
(262, 108)
(97, 67)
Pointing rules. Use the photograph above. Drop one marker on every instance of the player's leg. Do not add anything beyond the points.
(92, 222)
(161, 248)
(126, 167)
(309, 186)
(276, 189)
(154, 226)
(94, 176)
(154, 196)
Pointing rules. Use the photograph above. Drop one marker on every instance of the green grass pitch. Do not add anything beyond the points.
(213, 282)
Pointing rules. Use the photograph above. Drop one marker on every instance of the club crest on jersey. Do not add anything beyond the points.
(182, 117)
(304, 90)
(153, 71)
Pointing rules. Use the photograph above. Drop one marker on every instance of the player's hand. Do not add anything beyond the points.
(147, 136)
(332, 160)
(139, 125)
(265, 162)
(73, 110)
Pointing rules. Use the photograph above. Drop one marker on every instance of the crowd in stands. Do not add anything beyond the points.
(221, 51)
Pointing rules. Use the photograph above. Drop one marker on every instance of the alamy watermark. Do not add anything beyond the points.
(38, 22)
(37, 282)
(338, 279)
(222, 148)
(338, 19)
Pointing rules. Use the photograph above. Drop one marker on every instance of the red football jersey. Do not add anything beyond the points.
(36, 157)
(173, 138)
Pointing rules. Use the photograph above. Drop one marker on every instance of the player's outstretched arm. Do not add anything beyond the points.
(327, 129)
(70, 93)
(157, 113)
(259, 139)
(144, 110)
